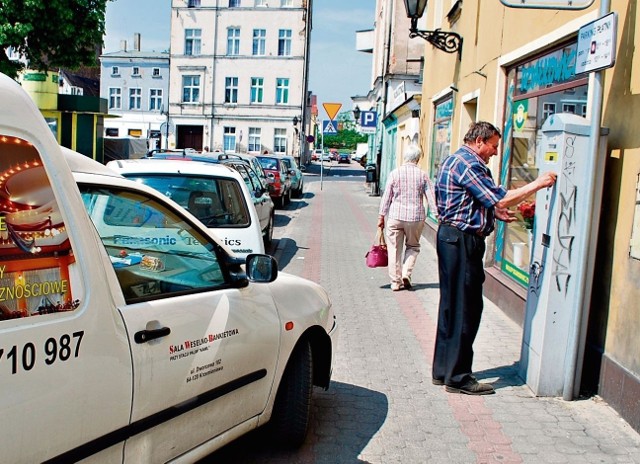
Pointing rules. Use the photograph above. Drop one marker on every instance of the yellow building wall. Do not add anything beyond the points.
(494, 36)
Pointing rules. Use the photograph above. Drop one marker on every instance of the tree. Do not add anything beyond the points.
(50, 33)
(347, 137)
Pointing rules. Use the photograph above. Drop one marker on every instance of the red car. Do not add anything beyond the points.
(281, 182)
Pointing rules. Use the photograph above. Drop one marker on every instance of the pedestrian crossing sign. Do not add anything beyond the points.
(329, 127)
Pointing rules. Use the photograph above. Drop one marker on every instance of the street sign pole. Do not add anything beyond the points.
(321, 155)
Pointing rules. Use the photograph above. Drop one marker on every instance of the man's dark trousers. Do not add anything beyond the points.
(461, 278)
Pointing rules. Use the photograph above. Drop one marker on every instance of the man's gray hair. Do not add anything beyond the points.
(413, 153)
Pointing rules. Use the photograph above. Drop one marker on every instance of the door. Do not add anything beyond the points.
(204, 353)
(189, 137)
(261, 197)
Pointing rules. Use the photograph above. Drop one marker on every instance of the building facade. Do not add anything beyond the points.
(396, 67)
(517, 70)
(135, 84)
(239, 72)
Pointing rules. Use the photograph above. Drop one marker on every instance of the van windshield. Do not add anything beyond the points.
(216, 202)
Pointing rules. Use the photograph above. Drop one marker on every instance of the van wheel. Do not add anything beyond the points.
(268, 235)
(292, 408)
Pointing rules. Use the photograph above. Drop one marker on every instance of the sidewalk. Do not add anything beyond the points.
(382, 407)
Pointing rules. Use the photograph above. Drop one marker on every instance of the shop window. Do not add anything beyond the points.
(111, 132)
(441, 141)
(532, 97)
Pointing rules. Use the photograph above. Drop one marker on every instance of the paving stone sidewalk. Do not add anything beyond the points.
(382, 407)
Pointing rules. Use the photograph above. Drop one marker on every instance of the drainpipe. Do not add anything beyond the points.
(213, 75)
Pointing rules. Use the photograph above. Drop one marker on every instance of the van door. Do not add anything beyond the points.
(204, 353)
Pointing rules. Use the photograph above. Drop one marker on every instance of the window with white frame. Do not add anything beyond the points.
(259, 41)
(155, 99)
(192, 41)
(231, 90)
(135, 98)
(286, 3)
(280, 141)
(135, 71)
(569, 108)
(282, 91)
(547, 110)
(115, 98)
(257, 89)
(193, 3)
(229, 139)
(190, 89)
(233, 41)
(261, 3)
(155, 72)
(254, 139)
(234, 3)
(284, 42)
(115, 71)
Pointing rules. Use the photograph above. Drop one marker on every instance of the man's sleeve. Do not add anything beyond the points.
(385, 202)
(478, 182)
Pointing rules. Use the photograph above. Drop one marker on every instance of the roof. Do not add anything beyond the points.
(171, 166)
(137, 54)
(90, 87)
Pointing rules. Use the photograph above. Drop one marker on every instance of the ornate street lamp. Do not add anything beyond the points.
(357, 113)
(449, 42)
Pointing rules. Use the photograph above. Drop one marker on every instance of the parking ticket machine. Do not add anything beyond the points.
(555, 266)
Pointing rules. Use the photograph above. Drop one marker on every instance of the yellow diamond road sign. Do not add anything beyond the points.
(332, 109)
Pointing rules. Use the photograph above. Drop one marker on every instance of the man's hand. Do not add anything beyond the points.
(547, 179)
(505, 214)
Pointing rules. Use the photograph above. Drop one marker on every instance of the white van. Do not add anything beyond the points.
(129, 333)
(215, 194)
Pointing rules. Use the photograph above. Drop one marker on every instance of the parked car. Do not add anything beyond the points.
(281, 192)
(325, 157)
(214, 193)
(316, 154)
(297, 179)
(266, 178)
(148, 340)
(344, 158)
(259, 193)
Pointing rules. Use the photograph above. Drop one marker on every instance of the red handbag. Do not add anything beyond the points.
(377, 255)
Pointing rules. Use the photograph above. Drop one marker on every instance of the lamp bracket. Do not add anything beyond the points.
(449, 42)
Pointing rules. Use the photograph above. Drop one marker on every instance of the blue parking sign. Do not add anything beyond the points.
(369, 119)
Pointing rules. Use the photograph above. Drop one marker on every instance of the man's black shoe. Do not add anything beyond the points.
(472, 387)
(438, 382)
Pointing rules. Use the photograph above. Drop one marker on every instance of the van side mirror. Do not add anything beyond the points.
(261, 268)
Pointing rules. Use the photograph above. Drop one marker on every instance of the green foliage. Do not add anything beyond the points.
(347, 139)
(51, 33)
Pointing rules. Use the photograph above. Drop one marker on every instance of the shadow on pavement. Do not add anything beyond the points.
(286, 249)
(343, 421)
(507, 376)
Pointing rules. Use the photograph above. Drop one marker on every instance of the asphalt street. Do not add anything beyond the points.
(382, 407)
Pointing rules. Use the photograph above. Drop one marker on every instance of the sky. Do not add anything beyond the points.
(337, 70)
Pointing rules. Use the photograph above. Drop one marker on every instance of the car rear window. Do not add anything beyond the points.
(216, 201)
(269, 163)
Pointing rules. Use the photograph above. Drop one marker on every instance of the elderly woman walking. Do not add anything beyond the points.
(403, 205)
